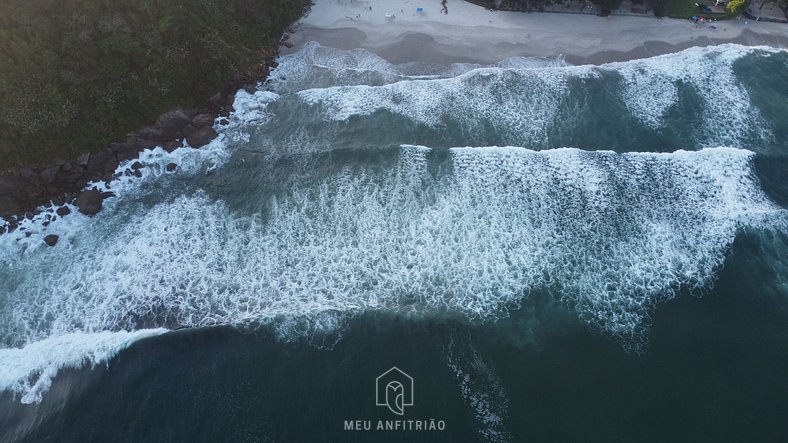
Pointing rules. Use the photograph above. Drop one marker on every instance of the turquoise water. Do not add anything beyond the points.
(551, 252)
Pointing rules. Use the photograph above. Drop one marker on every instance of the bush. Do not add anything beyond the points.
(659, 7)
(607, 6)
(736, 6)
(76, 75)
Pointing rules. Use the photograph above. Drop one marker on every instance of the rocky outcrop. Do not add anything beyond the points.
(25, 189)
(89, 202)
(51, 239)
(199, 137)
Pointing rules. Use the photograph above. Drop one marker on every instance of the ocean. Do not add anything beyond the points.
(526, 251)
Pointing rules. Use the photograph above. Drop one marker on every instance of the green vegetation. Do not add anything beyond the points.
(607, 6)
(661, 8)
(736, 7)
(681, 9)
(76, 75)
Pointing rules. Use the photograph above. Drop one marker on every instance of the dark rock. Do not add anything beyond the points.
(201, 137)
(49, 174)
(102, 162)
(26, 172)
(136, 165)
(173, 119)
(11, 201)
(228, 109)
(51, 239)
(66, 167)
(224, 122)
(63, 211)
(83, 159)
(72, 178)
(138, 173)
(237, 79)
(172, 145)
(171, 167)
(126, 151)
(154, 134)
(89, 202)
(215, 102)
(202, 120)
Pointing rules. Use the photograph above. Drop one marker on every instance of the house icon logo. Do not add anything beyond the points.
(394, 389)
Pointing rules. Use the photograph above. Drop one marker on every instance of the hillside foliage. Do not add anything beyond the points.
(76, 75)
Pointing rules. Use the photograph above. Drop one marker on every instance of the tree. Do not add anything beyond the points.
(607, 6)
(736, 6)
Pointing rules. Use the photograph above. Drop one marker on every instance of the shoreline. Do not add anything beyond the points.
(29, 190)
(467, 34)
(472, 34)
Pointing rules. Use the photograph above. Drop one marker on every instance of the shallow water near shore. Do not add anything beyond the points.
(551, 252)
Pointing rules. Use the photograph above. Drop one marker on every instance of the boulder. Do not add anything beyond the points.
(51, 239)
(171, 123)
(89, 202)
(201, 120)
(201, 137)
(63, 211)
(125, 151)
(171, 167)
(172, 145)
(102, 162)
(83, 159)
(49, 174)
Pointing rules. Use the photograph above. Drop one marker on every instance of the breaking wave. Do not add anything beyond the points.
(524, 102)
(609, 234)
(461, 232)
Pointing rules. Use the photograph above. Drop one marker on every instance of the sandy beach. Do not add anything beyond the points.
(395, 30)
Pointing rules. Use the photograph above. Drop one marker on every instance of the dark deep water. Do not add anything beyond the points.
(715, 371)
(622, 292)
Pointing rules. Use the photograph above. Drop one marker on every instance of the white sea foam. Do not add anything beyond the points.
(609, 234)
(250, 110)
(651, 88)
(316, 66)
(29, 371)
(189, 161)
(521, 102)
(522, 98)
